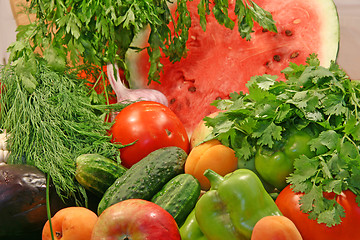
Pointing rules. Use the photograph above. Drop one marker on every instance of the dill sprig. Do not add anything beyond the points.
(52, 125)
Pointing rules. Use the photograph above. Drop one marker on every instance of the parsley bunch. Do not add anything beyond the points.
(322, 99)
(247, 12)
(96, 32)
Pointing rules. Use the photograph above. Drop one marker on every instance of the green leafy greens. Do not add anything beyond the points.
(247, 12)
(313, 97)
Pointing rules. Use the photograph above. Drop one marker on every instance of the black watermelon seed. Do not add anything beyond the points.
(277, 58)
(192, 89)
(288, 33)
(294, 55)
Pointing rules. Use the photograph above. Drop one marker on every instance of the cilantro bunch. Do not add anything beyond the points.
(313, 97)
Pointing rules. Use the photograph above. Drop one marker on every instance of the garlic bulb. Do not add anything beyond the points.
(4, 152)
(125, 94)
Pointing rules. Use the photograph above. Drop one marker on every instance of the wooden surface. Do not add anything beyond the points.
(17, 9)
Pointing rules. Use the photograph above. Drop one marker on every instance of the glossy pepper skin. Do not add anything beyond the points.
(233, 205)
(190, 230)
(275, 165)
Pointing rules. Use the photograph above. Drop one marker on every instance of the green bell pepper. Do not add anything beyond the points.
(275, 165)
(190, 229)
(233, 205)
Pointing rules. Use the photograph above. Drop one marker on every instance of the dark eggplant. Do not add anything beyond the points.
(23, 200)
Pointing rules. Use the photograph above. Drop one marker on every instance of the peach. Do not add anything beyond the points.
(275, 228)
(71, 223)
(210, 155)
(201, 131)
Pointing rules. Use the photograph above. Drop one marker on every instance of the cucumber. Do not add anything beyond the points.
(146, 177)
(179, 196)
(97, 173)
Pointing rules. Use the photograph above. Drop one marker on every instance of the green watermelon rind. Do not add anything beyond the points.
(132, 56)
(331, 30)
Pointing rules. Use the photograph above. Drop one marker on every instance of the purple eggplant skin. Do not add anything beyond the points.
(23, 200)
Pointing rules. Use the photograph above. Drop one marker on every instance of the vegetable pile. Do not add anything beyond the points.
(50, 116)
(281, 159)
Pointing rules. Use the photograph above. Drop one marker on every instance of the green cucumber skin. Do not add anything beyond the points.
(179, 196)
(97, 173)
(145, 178)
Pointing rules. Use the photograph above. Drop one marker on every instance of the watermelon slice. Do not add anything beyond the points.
(220, 62)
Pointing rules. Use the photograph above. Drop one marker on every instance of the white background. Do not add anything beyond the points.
(348, 10)
(7, 29)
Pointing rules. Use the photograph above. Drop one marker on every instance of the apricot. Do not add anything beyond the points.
(201, 131)
(210, 155)
(275, 228)
(71, 223)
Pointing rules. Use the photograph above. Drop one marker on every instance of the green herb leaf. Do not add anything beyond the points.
(268, 134)
(328, 139)
(332, 216)
(311, 199)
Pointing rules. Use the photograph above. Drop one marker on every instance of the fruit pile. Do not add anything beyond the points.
(256, 135)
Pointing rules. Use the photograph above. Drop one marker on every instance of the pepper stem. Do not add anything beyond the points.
(214, 178)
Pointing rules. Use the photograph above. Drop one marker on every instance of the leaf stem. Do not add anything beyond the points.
(48, 210)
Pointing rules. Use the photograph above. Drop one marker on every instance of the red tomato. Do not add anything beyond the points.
(288, 203)
(152, 125)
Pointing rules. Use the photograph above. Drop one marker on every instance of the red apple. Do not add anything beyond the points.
(135, 219)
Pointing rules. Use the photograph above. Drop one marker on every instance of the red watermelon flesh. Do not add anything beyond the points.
(220, 62)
